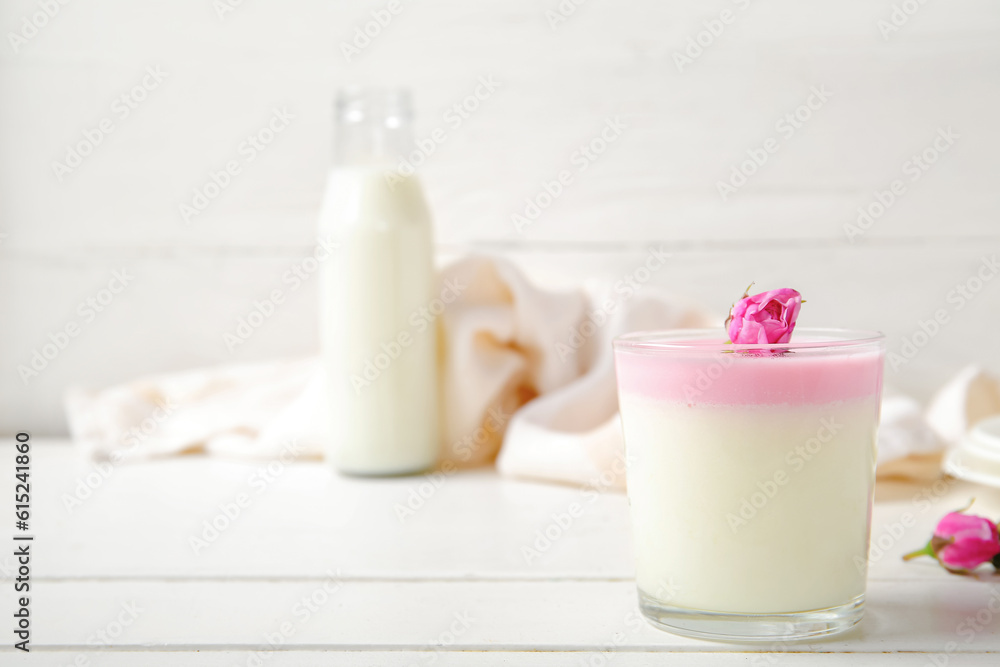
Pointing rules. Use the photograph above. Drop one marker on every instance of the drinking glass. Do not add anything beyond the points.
(750, 474)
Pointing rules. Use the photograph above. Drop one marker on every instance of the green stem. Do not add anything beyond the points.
(928, 550)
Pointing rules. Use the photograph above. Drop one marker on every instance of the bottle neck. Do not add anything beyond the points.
(372, 128)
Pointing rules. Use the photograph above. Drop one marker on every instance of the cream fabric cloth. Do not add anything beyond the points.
(970, 397)
(522, 366)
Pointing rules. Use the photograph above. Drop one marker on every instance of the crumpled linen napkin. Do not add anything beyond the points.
(970, 397)
(528, 381)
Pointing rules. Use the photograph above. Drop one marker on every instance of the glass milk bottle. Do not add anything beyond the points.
(379, 355)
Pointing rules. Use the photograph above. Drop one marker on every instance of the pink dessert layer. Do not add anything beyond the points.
(735, 378)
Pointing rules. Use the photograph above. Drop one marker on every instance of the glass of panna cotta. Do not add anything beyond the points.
(750, 474)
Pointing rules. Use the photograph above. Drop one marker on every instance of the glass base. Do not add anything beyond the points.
(723, 626)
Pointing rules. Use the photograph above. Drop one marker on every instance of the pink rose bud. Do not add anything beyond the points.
(962, 542)
(768, 317)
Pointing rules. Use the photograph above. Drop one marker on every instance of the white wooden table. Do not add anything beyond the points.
(318, 569)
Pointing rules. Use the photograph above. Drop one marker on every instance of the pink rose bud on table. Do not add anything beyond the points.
(768, 317)
(962, 542)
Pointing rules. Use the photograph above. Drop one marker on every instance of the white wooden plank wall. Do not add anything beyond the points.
(889, 96)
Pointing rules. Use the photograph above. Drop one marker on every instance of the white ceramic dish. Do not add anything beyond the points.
(977, 457)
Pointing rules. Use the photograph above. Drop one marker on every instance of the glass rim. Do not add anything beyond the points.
(687, 339)
(355, 102)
